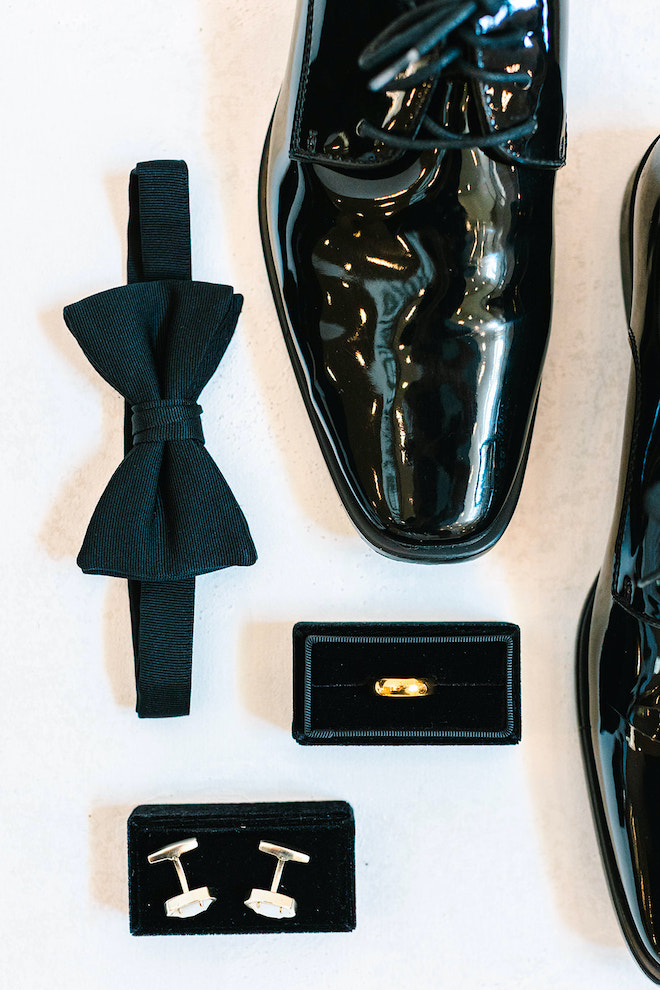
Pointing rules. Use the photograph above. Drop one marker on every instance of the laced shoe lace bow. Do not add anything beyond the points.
(445, 37)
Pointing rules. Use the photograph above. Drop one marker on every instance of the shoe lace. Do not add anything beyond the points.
(451, 29)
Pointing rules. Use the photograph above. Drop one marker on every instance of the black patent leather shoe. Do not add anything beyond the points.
(619, 642)
(406, 214)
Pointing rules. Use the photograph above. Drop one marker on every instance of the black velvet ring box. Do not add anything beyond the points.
(445, 683)
(227, 861)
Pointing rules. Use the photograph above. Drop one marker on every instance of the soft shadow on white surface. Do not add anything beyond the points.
(64, 526)
(297, 448)
(116, 194)
(264, 671)
(118, 643)
(108, 855)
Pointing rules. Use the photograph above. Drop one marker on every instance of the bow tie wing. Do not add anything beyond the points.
(153, 340)
(167, 512)
(201, 323)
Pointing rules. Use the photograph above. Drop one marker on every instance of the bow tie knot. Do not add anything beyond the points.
(166, 419)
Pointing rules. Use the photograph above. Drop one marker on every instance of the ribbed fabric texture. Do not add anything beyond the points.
(167, 513)
(166, 419)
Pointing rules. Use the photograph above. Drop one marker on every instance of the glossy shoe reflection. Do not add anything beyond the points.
(619, 643)
(406, 213)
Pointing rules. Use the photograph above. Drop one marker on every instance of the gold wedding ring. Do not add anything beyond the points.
(402, 687)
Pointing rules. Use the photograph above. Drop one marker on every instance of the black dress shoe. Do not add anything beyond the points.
(619, 643)
(406, 212)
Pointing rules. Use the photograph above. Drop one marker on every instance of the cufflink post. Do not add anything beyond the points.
(189, 902)
(270, 903)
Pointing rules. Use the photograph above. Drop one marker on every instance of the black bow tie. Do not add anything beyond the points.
(167, 513)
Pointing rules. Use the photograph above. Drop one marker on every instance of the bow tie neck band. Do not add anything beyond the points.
(167, 513)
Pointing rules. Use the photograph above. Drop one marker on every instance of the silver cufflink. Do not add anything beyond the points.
(190, 902)
(269, 902)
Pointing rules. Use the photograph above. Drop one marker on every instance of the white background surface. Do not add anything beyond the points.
(476, 867)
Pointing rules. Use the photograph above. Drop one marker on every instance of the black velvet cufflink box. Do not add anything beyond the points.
(227, 861)
(446, 683)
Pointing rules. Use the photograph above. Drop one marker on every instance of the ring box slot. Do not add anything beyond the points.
(473, 672)
(229, 863)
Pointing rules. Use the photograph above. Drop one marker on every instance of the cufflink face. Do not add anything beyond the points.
(189, 902)
(270, 903)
